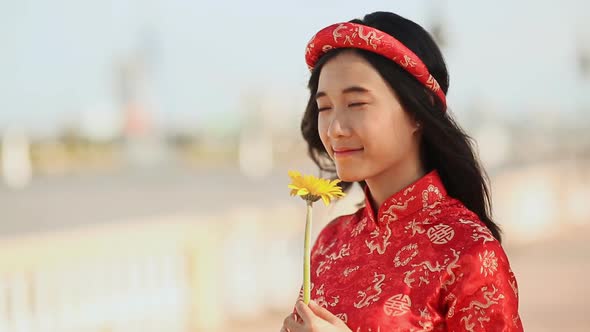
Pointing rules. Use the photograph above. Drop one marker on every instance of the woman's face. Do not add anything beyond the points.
(361, 122)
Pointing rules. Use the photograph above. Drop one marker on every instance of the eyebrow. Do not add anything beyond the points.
(352, 89)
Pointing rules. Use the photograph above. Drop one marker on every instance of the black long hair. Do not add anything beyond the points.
(444, 145)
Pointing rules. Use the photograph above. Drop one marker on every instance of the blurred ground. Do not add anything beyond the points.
(54, 203)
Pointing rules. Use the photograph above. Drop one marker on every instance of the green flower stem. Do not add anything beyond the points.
(306, 256)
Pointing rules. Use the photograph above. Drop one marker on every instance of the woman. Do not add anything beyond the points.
(423, 254)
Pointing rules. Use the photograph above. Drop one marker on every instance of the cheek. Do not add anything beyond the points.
(323, 131)
(385, 133)
(375, 128)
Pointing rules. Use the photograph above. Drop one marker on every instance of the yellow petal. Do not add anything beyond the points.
(326, 200)
(335, 182)
(302, 192)
(325, 189)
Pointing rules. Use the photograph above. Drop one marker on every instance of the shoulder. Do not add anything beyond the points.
(462, 233)
(467, 229)
(478, 284)
(473, 245)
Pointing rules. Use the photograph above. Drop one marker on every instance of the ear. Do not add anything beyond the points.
(416, 125)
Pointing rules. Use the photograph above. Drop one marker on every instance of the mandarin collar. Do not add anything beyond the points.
(423, 193)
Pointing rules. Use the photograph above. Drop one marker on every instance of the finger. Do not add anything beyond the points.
(295, 315)
(291, 325)
(293, 320)
(291, 317)
(304, 312)
(323, 313)
(297, 318)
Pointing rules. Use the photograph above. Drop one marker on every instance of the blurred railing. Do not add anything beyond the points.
(181, 273)
(157, 275)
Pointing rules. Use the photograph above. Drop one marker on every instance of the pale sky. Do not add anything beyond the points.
(57, 57)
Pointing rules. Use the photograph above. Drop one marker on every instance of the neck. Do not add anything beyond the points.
(392, 180)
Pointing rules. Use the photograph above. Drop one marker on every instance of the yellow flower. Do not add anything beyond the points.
(312, 189)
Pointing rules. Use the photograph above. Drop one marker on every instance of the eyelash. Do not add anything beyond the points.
(349, 105)
(356, 104)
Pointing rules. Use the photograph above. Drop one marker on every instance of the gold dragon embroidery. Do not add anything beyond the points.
(380, 247)
(329, 259)
(488, 297)
(479, 231)
(368, 299)
(450, 267)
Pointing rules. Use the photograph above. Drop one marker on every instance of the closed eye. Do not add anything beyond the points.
(349, 105)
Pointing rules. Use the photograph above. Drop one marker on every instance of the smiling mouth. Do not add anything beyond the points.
(344, 153)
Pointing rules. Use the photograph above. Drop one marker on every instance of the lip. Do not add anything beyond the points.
(343, 152)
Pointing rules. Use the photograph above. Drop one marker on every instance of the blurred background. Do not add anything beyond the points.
(144, 149)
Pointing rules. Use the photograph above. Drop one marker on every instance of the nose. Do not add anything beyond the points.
(338, 128)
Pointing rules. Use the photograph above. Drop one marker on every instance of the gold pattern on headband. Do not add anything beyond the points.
(348, 34)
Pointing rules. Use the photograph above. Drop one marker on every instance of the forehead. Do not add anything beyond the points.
(346, 69)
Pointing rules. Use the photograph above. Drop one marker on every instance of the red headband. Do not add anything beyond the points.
(352, 35)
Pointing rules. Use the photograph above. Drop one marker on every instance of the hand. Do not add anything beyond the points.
(314, 318)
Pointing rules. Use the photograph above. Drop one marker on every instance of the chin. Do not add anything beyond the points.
(348, 175)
